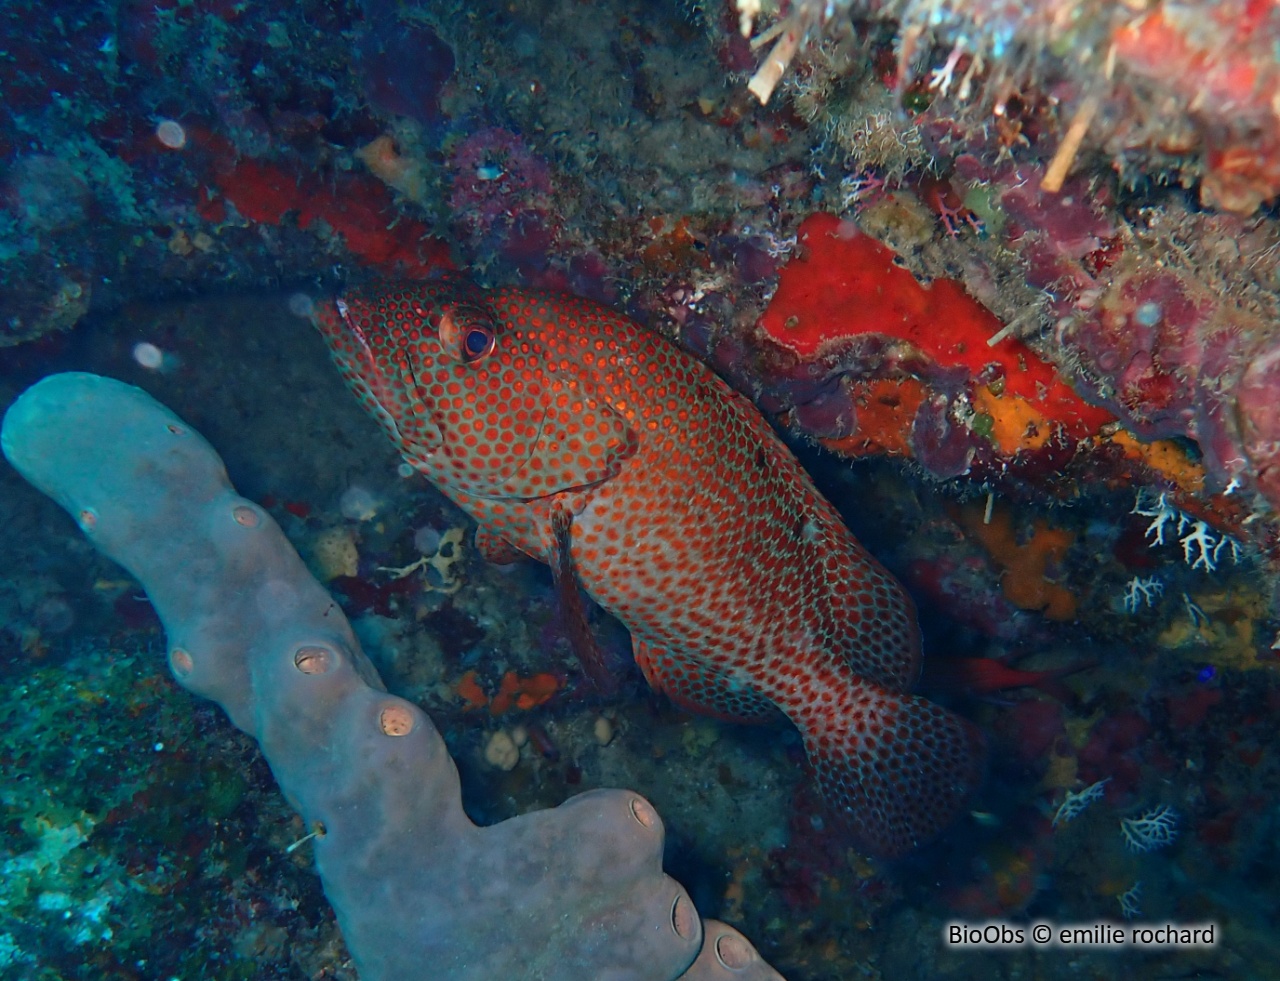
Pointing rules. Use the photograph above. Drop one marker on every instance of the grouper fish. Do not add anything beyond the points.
(575, 436)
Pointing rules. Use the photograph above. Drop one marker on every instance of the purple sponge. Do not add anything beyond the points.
(576, 893)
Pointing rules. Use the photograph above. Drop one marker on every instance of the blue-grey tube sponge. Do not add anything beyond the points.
(576, 893)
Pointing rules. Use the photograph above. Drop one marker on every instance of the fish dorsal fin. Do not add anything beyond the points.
(582, 441)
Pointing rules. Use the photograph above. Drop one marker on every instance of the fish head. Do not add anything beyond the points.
(472, 395)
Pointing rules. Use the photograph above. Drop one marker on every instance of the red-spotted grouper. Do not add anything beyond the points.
(574, 435)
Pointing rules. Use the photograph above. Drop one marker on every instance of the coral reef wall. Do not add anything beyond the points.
(1005, 274)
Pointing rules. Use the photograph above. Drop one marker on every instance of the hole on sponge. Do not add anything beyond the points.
(733, 952)
(684, 918)
(180, 661)
(396, 720)
(313, 659)
(643, 812)
(246, 516)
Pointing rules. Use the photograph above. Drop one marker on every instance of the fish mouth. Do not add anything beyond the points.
(347, 343)
(331, 317)
(344, 323)
(347, 339)
(351, 352)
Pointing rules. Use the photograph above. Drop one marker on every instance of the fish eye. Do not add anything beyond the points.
(476, 343)
(467, 332)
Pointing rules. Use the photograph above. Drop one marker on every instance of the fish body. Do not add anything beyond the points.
(558, 423)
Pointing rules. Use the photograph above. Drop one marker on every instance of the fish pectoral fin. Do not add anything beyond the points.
(573, 602)
(496, 549)
(583, 441)
(419, 431)
(699, 688)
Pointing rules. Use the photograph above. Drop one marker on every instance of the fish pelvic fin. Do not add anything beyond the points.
(573, 603)
(496, 549)
(697, 687)
(895, 768)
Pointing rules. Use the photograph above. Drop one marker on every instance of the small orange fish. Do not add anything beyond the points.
(576, 436)
(988, 675)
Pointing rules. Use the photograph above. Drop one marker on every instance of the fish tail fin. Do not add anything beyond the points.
(895, 767)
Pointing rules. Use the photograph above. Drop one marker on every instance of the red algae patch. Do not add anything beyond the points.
(845, 285)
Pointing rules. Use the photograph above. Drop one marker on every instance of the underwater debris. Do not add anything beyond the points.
(1201, 546)
(1193, 84)
(1155, 829)
(171, 134)
(1161, 513)
(501, 751)
(1142, 591)
(1129, 901)
(1077, 800)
